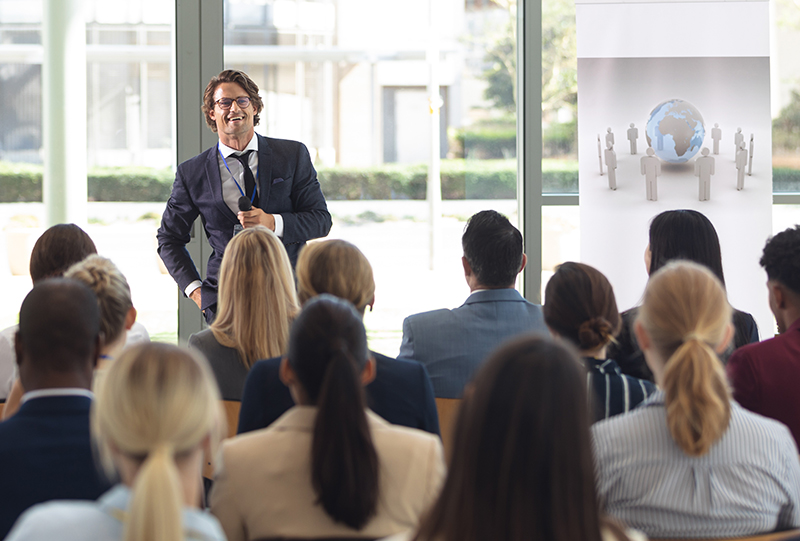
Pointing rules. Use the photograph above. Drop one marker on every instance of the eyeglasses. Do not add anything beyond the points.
(225, 103)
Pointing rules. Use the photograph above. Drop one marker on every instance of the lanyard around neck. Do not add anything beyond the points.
(252, 197)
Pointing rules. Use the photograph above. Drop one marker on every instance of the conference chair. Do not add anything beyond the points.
(448, 411)
(231, 409)
(788, 535)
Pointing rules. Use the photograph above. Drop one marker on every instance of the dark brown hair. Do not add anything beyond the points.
(522, 465)
(58, 249)
(579, 305)
(328, 351)
(231, 76)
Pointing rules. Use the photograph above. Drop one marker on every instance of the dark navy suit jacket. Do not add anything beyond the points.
(287, 184)
(46, 454)
(401, 393)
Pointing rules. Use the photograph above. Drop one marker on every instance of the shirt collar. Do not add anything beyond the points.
(227, 151)
(66, 391)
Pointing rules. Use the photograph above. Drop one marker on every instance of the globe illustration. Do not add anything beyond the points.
(675, 130)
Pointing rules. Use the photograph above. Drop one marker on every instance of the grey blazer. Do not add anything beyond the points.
(229, 370)
(452, 344)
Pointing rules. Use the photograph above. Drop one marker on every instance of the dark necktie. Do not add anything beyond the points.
(249, 180)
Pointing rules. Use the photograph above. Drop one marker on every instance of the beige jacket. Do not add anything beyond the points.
(263, 483)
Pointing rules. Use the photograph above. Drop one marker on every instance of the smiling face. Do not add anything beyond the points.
(234, 126)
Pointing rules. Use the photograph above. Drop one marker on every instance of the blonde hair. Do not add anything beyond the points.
(112, 291)
(338, 268)
(157, 402)
(686, 315)
(257, 300)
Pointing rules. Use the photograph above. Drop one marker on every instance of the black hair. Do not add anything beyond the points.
(493, 248)
(685, 234)
(781, 258)
(328, 351)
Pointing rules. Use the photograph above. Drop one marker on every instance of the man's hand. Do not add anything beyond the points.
(195, 296)
(256, 216)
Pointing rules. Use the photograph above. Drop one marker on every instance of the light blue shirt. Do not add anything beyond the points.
(748, 482)
(99, 521)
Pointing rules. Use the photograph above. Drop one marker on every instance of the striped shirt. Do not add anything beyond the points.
(748, 483)
(611, 392)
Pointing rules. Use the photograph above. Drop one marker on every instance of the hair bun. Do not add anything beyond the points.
(594, 333)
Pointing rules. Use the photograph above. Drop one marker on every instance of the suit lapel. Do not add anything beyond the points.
(264, 171)
(215, 184)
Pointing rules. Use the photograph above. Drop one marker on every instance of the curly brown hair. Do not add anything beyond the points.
(231, 76)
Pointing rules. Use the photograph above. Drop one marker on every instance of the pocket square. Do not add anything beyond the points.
(277, 180)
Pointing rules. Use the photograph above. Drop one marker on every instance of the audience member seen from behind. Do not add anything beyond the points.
(503, 482)
(154, 415)
(579, 306)
(55, 251)
(452, 344)
(45, 449)
(689, 462)
(687, 235)
(766, 376)
(401, 392)
(328, 467)
(255, 307)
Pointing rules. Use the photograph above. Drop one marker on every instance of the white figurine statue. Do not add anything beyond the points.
(716, 135)
(651, 169)
(704, 168)
(738, 137)
(600, 154)
(750, 162)
(741, 164)
(609, 136)
(611, 165)
(633, 135)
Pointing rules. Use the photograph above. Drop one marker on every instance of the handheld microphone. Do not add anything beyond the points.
(244, 204)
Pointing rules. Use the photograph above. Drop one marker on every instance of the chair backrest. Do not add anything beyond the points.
(231, 409)
(448, 412)
(2, 407)
(788, 535)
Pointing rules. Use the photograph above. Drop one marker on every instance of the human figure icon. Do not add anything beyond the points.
(651, 169)
(633, 135)
(750, 161)
(741, 164)
(716, 136)
(600, 154)
(738, 138)
(704, 168)
(609, 136)
(611, 165)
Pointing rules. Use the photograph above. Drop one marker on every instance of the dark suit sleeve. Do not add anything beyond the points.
(309, 218)
(407, 345)
(265, 397)
(430, 415)
(174, 234)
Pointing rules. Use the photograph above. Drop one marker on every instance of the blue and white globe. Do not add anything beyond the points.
(675, 130)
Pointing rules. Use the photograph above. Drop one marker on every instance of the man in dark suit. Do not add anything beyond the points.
(275, 175)
(45, 449)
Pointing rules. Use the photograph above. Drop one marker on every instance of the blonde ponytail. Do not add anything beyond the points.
(157, 501)
(686, 315)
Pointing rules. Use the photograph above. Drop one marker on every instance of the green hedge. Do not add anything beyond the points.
(785, 180)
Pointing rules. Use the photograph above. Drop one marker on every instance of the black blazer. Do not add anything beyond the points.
(46, 454)
(401, 393)
(288, 186)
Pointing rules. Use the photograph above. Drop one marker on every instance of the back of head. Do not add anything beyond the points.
(684, 234)
(781, 258)
(59, 325)
(503, 481)
(580, 306)
(257, 299)
(157, 403)
(112, 290)
(686, 315)
(338, 268)
(327, 352)
(60, 247)
(493, 248)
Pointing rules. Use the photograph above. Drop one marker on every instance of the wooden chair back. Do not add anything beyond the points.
(774, 536)
(448, 412)
(230, 410)
(2, 407)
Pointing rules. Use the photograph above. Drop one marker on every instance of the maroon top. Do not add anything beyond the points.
(766, 378)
